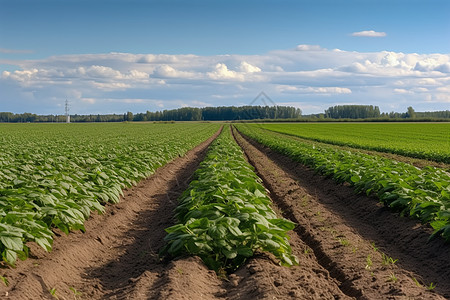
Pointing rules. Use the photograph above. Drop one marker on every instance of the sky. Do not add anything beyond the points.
(114, 56)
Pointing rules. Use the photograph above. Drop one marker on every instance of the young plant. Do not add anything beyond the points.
(53, 293)
(4, 280)
(344, 242)
(76, 293)
(374, 247)
(431, 286)
(387, 260)
(392, 278)
(369, 262)
(417, 282)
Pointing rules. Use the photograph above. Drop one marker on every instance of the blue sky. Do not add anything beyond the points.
(115, 56)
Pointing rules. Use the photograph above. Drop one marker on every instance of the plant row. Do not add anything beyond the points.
(55, 175)
(420, 193)
(224, 216)
(425, 141)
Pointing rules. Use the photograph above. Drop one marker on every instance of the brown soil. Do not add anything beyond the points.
(349, 233)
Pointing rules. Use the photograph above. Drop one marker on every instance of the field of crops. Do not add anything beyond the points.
(275, 215)
(54, 175)
(421, 193)
(427, 141)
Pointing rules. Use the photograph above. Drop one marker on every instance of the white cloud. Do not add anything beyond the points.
(402, 91)
(306, 73)
(248, 68)
(196, 103)
(88, 100)
(308, 48)
(313, 90)
(110, 86)
(444, 68)
(221, 72)
(369, 33)
(166, 71)
(102, 72)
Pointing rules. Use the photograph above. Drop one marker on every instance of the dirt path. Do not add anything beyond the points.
(349, 234)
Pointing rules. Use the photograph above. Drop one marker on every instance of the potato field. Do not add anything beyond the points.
(200, 210)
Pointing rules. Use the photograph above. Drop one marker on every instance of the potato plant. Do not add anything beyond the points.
(224, 216)
(54, 175)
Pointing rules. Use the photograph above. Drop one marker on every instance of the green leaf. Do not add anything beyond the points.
(11, 242)
(9, 256)
(245, 251)
(230, 254)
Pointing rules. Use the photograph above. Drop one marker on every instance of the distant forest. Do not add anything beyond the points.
(241, 113)
(222, 113)
(373, 112)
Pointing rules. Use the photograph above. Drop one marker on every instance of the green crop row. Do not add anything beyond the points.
(54, 175)
(225, 216)
(421, 140)
(420, 193)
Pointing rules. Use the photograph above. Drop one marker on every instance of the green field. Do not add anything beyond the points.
(422, 140)
(54, 175)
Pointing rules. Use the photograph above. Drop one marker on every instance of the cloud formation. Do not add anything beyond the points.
(369, 33)
(307, 76)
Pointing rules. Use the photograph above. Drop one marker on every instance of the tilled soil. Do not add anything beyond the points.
(117, 257)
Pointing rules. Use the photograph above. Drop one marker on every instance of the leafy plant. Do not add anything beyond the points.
(54, 176)
(224, 216)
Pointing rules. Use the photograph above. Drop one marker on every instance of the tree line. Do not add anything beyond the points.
(233, 113)
(373, 112)
(222, 113)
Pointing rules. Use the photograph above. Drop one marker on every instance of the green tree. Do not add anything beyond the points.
(411, 112)
(129, 116)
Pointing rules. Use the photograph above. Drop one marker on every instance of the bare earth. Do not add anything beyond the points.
(117, 256)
